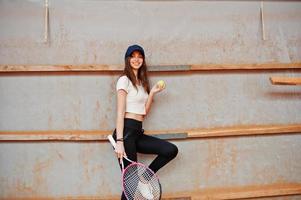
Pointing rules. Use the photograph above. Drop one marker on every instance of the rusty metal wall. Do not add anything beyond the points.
(173, 32)
(204, 99)
(90, 169)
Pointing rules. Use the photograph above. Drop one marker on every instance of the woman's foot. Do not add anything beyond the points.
(145, 190)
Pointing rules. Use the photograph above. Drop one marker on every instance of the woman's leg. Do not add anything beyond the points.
(130, 137)
(129, 142)
(165, 150)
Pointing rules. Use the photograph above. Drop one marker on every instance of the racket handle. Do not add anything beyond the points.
(112, 141)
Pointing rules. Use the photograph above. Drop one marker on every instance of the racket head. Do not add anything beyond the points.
(140, 183)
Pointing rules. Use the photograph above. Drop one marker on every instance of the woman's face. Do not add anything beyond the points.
(136, 60)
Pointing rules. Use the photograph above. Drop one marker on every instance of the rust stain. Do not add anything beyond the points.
(97, 106)
(62, 35)
(73, 121)
(97, 168)
(85, 158)
(96, 114)
(92, 46)
(106, 121)
(95, 58)
(59, 154)
(233, 157)
(216, 157)
(22, 188)
(40, 165)
(50, 122)
(77, 114)
(40, 169)
(265, 174)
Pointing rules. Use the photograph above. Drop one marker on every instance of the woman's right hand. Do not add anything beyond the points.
(120, 150)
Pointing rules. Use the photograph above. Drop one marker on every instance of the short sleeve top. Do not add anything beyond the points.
(136, 99)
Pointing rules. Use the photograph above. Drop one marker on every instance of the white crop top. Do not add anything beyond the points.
(135, 100)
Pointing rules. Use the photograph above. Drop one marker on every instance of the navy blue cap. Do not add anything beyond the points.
(133, 48)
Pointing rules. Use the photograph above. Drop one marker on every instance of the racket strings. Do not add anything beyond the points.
(140, 183)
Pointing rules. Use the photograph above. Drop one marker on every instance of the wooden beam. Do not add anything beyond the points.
(119, 68)
(84, 68)
(285, 80)
(262, 66)
(59, 68)
(96, 135)
(60, 135)
(76, 135)
(239, 192)
(244, 192)
(162, 68)
(244, 130)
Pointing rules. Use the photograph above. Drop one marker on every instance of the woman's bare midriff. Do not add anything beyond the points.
(134, 116)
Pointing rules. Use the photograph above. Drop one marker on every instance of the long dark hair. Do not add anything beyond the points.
(142, 74)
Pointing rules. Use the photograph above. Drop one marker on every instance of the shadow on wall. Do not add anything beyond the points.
(285, 95)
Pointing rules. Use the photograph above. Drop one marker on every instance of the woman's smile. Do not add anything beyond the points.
(136, 60)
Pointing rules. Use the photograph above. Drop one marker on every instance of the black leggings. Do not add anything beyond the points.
(136, 141)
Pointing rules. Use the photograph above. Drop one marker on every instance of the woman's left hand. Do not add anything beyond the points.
(156, 88)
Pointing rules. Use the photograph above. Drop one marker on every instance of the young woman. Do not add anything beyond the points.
(134, 100)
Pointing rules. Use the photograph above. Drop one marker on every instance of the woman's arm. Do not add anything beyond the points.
(156, 88)
(121, 103)
(149, 102)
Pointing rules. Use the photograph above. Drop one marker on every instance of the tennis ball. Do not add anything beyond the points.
(161, 84)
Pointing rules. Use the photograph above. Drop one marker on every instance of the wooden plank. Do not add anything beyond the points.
(244, 192)
(84, 68)
(173, 136)
(75, 135)
(60, 135)
(105, 68)
(59, 68)
(163, 68)
(262, 66)
(285, 80)
(238, 192)
(96, 135)
(244, 130)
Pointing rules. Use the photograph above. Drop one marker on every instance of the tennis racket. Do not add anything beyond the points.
(138, 181)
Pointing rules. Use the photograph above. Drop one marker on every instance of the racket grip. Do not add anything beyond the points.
(112, 141)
